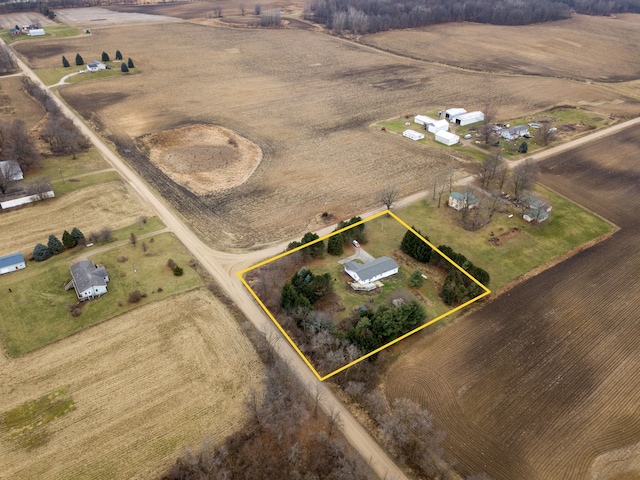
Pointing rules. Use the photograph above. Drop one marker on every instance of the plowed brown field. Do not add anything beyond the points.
(306, 99)
(144, 384)
(543, 380)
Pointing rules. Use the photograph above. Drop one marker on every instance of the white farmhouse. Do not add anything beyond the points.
(537, 216)
(413, 135)
(458, 200)
(447, 138)
(88, 280)
(514, 132)
(11, 263)
(469, 118)
(370, 272)
(95, 66)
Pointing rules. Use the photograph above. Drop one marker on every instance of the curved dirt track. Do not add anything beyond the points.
(223, 267)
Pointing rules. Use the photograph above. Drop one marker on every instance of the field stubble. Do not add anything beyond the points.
(306, 99)
(144, 385)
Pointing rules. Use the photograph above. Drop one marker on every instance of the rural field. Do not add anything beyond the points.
(308, 100)
(143, 386)
(542, 382)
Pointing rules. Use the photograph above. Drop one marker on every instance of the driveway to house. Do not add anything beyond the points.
(361, 254)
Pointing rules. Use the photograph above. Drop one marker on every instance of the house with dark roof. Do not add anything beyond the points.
(95, 65)
(370, 272)
(88, 280)
(458, 200)
(537, 216)
(11, 263)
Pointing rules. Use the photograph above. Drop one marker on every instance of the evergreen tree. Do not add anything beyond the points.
(68, 240)
(415, 247)
(41, 253)
(65, 62)
(130, 63)
(79, 60)
(78, 235)
(55, 245)
(124, 68)
(105, 57)
(118, 55)
(317, 249)
(334, 245)
(524, 148)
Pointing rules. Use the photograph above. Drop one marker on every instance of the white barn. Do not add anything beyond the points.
(95, 66)
(413, 135)
(452, 113)
(34, 32)
(11, 263)
(469, 118)
(370, 272)
(439, 126)
(447, 138)
(88, 280)
(424, 120)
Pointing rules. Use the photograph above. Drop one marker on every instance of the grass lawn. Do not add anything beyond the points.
(58, 31)
(568, 226)
(51, 76)
(36, 312)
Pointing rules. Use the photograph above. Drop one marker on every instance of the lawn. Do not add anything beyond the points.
(51, 76)
(568, 227)
(36, 312)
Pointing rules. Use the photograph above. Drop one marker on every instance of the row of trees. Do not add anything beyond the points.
(105, 58)
(17, 144)
(54, 246)
(336, 242)
(59, 131)
(7, 62)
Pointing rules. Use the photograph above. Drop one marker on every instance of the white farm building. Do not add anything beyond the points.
(34, 32)
(424, 120)
(431, 124)
(469, 118)
(95, 66)
(438, 126)
(11, 263)
(452, 113)
(413, 135)
(370, 272)
(447, 138)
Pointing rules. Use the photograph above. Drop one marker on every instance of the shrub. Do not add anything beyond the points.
(135, 296)
(160, 289)
(416, 280)
(122, 258)
(41, 253)
(177, 271)
(171, 264)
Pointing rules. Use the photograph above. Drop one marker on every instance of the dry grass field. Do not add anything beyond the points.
(542, 382)
(16, 104)
(600, 49)
(111, 204)
(143, 386)
(306, 99)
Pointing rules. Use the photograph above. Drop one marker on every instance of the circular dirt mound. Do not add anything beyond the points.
(203, 158)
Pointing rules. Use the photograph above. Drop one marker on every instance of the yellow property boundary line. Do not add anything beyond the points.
(241, 273)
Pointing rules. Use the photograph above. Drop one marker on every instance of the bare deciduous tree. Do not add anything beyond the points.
(388, 196)
(488, 168)
(10, 173)
(524, 177)
(63, 136)
(545, 133)
(39, 187)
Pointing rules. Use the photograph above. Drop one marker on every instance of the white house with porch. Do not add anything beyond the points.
(88, 280)
(373, 271)
(458, 200)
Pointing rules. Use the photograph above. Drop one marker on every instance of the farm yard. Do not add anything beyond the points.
(305, 99)
(541, 382)
(143, 386)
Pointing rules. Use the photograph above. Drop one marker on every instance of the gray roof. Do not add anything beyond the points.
(10, 260)
(372, 269)
(86, 275)
(468, 196)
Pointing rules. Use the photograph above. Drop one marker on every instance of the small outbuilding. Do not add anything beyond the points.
(469, 118)
(11, 170)
(424, 120)
(88, 280)
(413, 135)
(370, 272)
(11, 263)
(458, 200)
(537, 216)
(447, 138)
(35, 32)
(452, 113)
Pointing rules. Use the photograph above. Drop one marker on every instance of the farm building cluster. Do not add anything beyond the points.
(440, 127)
(533, 209)
(31, 30)
(12, 175)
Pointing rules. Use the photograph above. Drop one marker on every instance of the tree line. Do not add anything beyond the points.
(370, 16)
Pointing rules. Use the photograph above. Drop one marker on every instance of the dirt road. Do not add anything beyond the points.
(222, 267)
